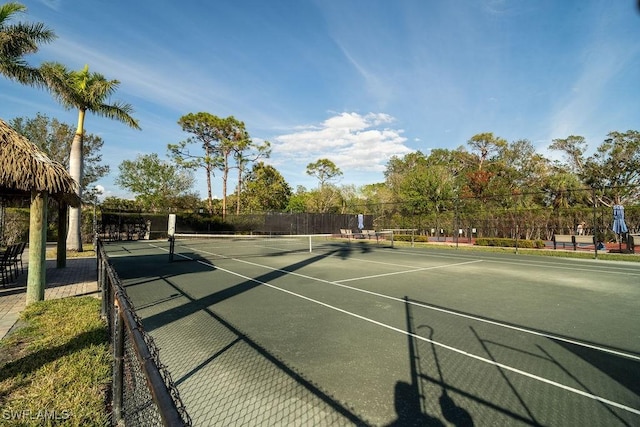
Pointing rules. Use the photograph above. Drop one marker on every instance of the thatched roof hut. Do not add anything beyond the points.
(24, 167)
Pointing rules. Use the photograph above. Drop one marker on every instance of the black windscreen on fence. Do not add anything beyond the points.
(137, 225)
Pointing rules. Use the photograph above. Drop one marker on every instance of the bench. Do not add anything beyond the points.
(368, 234)
(573, 239)
(361, 234)
(632, 241)
(346, 233)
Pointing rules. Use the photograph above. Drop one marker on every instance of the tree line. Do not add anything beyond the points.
(486, 181)
(487, 177)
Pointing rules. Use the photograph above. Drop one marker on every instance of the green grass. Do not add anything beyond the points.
(87, 252)
(55, 369)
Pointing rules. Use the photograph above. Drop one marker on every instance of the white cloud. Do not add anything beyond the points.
(145, 79)
(351, 140)
(52, 4)
(376, 84)
(165, 78)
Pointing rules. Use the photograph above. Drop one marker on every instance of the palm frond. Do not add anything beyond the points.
(21, 72)
(29, 33)
(17, 40)
(118, 111)
(61, 84)
(86, 91)
(9, 9)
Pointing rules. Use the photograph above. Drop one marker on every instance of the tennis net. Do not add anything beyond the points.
(237, 245)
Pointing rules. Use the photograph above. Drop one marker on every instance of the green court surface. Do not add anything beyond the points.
(361, 334)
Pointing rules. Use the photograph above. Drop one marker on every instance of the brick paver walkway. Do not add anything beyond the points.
(79, 277)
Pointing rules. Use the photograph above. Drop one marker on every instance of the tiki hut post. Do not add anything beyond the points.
(36, 274)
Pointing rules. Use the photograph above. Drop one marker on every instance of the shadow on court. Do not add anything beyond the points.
(195, 305)
(220, 394)
(624, 371)
(186, 249)
(273, 360)
(228, 377)
(413, 402)
(430, 395)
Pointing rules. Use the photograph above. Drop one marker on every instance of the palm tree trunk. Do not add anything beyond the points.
(74, 237)
(209, 195)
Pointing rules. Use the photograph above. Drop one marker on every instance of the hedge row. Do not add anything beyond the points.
(407, 238)
(509, 243)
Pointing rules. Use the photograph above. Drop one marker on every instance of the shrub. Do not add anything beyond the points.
(16, 226)
(419, 238)
(509, 243)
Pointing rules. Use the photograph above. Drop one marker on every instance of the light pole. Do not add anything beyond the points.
(595, 223)
(95, 227)
(95, 192)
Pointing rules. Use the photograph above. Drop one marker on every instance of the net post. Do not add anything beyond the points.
(310, 247)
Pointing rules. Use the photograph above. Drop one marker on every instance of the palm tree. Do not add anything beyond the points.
(17, 40)
(86, 92)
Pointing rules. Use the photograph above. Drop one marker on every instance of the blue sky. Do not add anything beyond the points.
(355, 81)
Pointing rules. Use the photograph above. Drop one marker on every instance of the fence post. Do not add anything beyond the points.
(595, 223)
(456, 221)
(102, 286)
(118, 356)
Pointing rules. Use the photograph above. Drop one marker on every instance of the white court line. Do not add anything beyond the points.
(590, 267)
(418, 337)
(406, 271)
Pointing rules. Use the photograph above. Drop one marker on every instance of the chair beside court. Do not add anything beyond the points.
(11, 262)
(344, 232)
(632, 241)
(360, 234)
(573, 239)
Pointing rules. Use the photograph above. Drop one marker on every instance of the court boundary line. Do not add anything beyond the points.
(418, 337)
(353, 279)
(591, 268)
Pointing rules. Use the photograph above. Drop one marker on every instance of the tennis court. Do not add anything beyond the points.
(361, 333)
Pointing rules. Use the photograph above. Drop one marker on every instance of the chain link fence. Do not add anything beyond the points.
(506, 216)
(143, 393)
